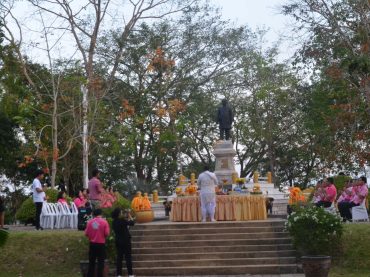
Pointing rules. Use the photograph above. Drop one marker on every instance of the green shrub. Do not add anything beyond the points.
(3, 237)
(52, 195)
(27, 211)
(315, 231)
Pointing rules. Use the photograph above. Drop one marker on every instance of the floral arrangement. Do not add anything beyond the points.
(296, 196)
(256, 189)
(178, 190)
(240, 181)
(314, 231)
(191, 189)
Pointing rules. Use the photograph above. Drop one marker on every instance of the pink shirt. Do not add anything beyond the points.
(346, 195)
(79, 202)
(63, 201)
(331, 193)
(97, 230)
(95, 189)
(359, 193)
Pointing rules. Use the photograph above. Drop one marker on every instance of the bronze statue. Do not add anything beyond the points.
(225, 118)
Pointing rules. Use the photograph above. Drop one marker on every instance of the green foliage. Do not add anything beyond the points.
(339, 54)
(52, 195)
(315, 231)
(340, 181)
(3, 237)
(27, 211)
(8, 143)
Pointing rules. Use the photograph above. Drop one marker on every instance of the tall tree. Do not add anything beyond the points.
(336, 46)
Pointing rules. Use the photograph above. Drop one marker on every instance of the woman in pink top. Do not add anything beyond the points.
(346, 193)
(359, 193)
(62, 198)
(80, 200)
(329, 194)
(106, 199)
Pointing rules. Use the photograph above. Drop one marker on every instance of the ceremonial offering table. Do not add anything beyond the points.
(228, 208)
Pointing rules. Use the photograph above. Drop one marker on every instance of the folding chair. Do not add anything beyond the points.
(359, 213)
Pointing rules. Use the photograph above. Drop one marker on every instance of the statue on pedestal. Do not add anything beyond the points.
(225, 118)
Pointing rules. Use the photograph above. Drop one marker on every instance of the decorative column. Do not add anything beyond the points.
(255, 177)
(225, 168)
(269, 177)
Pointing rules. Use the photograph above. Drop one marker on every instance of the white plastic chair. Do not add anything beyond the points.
(332, 209)
(74, 216)
(68, 216)
(46, 218)
(359, 213)
(63, 216)
(54, 213)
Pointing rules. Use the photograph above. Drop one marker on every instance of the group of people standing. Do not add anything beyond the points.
(353, 194)
(97, 229)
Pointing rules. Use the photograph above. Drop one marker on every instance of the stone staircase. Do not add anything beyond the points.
(220, 248)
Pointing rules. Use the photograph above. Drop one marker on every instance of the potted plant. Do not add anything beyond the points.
(316, 234)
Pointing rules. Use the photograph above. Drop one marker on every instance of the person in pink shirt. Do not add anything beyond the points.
(80, 200)
(95, 189)
(107, 198)
(97, 230)
(359, 193)
(346, 193)
(329, 194)
(61, 198)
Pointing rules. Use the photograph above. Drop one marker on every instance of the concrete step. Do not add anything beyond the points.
(219, 242)
(215, 236)
(183, 248)
(206, 230)
(215, 255)
(214, 262)
(217, 270)
(218, 224)
(219, 248)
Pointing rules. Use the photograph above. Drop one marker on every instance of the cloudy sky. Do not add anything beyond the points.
(258, 13)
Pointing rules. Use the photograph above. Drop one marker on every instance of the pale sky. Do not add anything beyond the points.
(258, 13)
(254, 13)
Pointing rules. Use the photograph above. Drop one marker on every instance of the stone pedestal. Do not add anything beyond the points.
(224, 153)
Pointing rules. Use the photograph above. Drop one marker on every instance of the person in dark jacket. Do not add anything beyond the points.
(225, 118)
(121, 222)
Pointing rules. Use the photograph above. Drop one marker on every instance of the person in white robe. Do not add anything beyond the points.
(207, 182)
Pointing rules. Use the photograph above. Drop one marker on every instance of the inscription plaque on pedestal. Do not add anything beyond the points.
(224, 153)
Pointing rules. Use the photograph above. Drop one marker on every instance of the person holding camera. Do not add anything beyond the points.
(121, 222)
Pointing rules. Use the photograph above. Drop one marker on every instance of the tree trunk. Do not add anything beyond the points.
(55, 145)
(85, 142)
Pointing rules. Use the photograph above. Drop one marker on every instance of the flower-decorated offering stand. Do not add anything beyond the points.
(228, 208)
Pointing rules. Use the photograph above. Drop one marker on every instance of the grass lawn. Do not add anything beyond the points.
(355, 258)
(43, 254)
(57, 253)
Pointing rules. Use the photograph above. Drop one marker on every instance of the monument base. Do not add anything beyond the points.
(224, 153)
